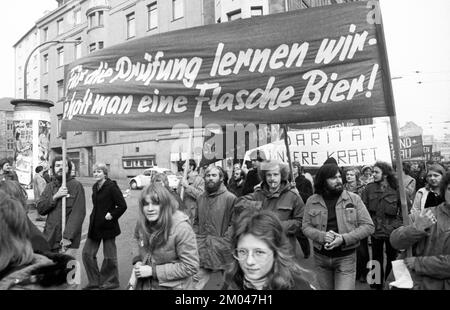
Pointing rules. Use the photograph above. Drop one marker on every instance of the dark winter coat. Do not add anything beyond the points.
(49, 272)
(384, 207)
(108, 198)
(10, 175)
(37, 239)
(213, 228)
(236, 188)
(75, 213)
(251, 180)
(431, 249)
(175, 263)
(304, 187)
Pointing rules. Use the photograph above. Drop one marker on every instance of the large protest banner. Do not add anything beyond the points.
(350, 146)
(301, 66)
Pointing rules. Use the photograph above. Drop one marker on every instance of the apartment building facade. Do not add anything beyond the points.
(99, 24)
(22, 49)
(6, 128)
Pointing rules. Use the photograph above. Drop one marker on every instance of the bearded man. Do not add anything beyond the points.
(50, 204)
(212, 226)
(336, 220)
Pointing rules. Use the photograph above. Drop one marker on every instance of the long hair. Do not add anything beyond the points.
(444, 184)
(270, 165)
(325, 172)
(13, 189)
(60, 158)
(155, 234)
(355, 170)
(16, 249)
(387, 171)
(266, 226)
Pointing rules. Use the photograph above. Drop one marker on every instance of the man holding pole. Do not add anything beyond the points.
(51, 204)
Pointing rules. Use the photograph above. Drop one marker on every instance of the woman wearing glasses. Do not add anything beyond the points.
(168, 255)
(262, 257)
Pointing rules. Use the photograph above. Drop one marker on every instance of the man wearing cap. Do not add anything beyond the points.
(6, 171)
(278, 195)
(429, 196)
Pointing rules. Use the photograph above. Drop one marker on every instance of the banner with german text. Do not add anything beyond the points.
(308, 65)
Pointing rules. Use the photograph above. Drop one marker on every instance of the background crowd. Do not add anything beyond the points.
(250, 224)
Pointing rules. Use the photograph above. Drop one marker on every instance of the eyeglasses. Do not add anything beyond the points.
(259, 255)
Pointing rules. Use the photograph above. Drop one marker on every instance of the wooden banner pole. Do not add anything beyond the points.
(64, 181)
(188, 156)
(288, 152)
(389, 98)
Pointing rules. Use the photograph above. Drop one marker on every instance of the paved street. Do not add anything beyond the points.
(125, 241)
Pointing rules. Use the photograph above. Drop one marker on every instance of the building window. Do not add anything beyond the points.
(45, 67)
(35, 61)
(60, 84)
(9, 126)
(77, 17)
(177, 9)
(58, 127)
(78, 49)
(59, 26)
(45, 34)
(102, 137)
(91, 20)
(131, 26)
(91, 48)
(152, 15)
(10, 144)
(100, 18)
(60, 56)
(132, 162)
(234, 15)
(45, 92)
(100, 45)
(256, 11)
(35, 84)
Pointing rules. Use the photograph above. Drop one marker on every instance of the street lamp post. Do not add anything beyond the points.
(29, 56)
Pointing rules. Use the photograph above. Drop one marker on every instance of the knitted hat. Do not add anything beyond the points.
(436, 168)
(3, 161)
(366, 167)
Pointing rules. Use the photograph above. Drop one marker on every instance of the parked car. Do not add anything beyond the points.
(145, 178)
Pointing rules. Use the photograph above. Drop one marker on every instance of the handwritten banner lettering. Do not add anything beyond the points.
(350, 146)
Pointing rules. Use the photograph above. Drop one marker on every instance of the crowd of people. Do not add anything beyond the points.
(252, 226)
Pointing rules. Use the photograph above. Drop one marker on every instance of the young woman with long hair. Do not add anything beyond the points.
(383, 202)
(263, 256)
(20, 267)
(168, 255)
